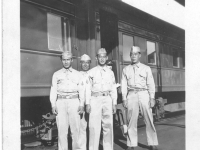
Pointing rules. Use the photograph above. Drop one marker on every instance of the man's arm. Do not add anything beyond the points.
(81, 89)
(53, 94)
(150, 87)
(124, 85)
(87, 90)
(114, 90)
(150, 83)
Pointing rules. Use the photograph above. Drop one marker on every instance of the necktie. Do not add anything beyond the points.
(134, 68)
(134, 71)
(67, 72)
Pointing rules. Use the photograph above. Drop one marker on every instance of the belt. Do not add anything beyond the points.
(136, 90)
(100, 94)
(67, 96)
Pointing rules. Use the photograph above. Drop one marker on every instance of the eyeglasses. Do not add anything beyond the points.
(134, 54)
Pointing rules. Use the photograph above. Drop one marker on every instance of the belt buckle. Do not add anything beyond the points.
(67, 97)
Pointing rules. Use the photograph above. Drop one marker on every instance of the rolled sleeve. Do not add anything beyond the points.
(150, 83)
(124, 86)
(53, 91)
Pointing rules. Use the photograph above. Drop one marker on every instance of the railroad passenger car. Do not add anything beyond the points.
(84, 26)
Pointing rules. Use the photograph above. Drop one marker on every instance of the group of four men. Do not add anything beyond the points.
(94, 91)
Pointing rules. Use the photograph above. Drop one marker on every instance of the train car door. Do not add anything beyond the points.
(109, 37)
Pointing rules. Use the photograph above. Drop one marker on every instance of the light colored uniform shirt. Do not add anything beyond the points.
(103, 80)
(87, 87)
(137, 76)
(66, 82)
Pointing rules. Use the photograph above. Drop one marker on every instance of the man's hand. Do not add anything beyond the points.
(125, 104)
(152, 102)
(80, 109)
(88, 108)
(54, 110)
(114, 109)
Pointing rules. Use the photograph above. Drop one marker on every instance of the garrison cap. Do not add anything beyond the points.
(101, 51)
(67, 55)
(85, 57)
(135, 48)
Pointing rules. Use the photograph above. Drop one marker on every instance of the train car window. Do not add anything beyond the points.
(151, 52)
(54, 27)
(127, 44)
(175, 59)
(33, 27)
(58, 33)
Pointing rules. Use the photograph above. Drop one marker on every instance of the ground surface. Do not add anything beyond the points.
(171, 136)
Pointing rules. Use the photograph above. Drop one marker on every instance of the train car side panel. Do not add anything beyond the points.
(37, 70)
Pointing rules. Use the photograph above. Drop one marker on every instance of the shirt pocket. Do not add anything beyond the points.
(61, 83)
(108, 82)
(96, 80)
(142, 78)
(130, 80)
(74, 80)
(60, 80)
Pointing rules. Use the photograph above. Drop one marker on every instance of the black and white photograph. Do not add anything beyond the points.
(99, 75)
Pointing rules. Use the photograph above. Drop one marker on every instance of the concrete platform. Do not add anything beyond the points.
(171, 136)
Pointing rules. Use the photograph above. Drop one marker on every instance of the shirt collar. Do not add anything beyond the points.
(137, 65)
(65, 70)
(103, 68)
(84, 72)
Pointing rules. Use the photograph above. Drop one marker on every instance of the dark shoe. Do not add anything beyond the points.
(153, 147)
(130, 148)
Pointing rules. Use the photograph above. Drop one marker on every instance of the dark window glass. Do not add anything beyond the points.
(127, 44)
(33, 27)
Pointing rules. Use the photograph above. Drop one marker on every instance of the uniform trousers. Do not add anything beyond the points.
(82, 136)
(101, 113)
(136, 101)
(68, 116)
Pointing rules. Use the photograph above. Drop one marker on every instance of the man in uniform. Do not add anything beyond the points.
(102, 104)
(85, 66)
(66, 97)
(138, 91)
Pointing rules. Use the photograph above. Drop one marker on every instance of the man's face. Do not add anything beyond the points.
(102, 58)
(67, 62)
(135, 56)
(85, 65)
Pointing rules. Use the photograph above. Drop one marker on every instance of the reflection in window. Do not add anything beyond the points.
(175, 58)
(151, 52)
(127, 44)
(54, 27)
(58, 33)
